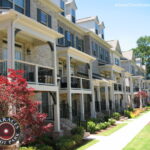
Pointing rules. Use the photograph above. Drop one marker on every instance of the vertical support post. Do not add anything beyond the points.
(132, 92)
(93, 113)
(36, 74)
(141, 103)
(69, 96)
(112, 97)
(107, 98)
(11, 46)
(82, 106)
(57, 113)
(99, 97)
(55, 64)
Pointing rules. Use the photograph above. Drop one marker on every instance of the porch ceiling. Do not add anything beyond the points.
(28, 25)
(109, 68)
(75, 54)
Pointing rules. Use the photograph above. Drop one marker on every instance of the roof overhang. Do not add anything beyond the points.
(96, 37)
(51, 5)
(23, 22)
(74, 53)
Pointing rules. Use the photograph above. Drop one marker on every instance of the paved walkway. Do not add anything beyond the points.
(119, 139)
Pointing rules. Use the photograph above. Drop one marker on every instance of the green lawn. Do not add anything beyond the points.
(141, 141)
(88, 144)
(112, 130)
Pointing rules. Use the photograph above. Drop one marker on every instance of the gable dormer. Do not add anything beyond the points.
(93, 24)
(70, 11)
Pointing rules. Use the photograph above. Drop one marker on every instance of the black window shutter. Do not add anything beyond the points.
(66, 40)
(0, 3)
(49, 21)
(77, 42)
(28, 8)
(38, 15)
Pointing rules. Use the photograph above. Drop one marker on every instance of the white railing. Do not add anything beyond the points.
(76, 82)
(34, 73)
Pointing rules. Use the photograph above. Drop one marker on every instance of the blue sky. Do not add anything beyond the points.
(125, 23)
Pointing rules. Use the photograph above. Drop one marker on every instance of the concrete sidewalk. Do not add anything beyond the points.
(119, 139)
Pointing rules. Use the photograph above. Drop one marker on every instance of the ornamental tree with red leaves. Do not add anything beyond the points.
(142, 93)
(17, 100)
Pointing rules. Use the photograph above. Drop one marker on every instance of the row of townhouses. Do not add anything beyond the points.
(75, 72)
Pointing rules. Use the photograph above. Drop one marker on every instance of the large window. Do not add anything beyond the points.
(44, 18)
(62, 6)
(96, 28)
(18, 5)
(79, 44)
(117, 62)
(73, 14)
(22, 6)
(61, 40)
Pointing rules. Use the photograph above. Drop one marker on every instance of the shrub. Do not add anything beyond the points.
(77, 138)
(27, 148)
(107, 124)
(91, 127)
(65, 143)
(44, 147)
(95, 120)
(103, 125)
(127, 113)
(77, 130)
(116, 115)
(112, 121)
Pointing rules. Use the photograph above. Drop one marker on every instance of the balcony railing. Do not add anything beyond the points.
(118, 87)
(76, 83)
(34, 73)
(3, 67)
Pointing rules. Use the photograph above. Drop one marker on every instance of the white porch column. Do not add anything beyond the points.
(57, 113)
(141, 103)
(82, 106)
(118, 99)
(11, 47)
(55, 64)
(112, 97)
(107, 98)
(99, 97)
(132, 92)
(69, 96)
(124, 93)
(93, 113)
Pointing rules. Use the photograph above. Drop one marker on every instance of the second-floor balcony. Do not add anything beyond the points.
(76, 83)
(33, 73)
(118, 87)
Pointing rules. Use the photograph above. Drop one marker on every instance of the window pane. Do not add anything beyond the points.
(7, 4)
(19, 9)
(19, 3)
(44, 18)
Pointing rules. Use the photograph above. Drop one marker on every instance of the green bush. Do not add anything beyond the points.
(112, 121)
(95, 120)
(28, 148)
(127, 113)
(77, 130)
(107, 124)
(77, 138)
(116, 115)
(103, 126)
(91, 127)
(65, 143)
(45, 147)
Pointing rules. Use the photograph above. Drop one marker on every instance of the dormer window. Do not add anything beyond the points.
(62, 6)
(73, 15)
